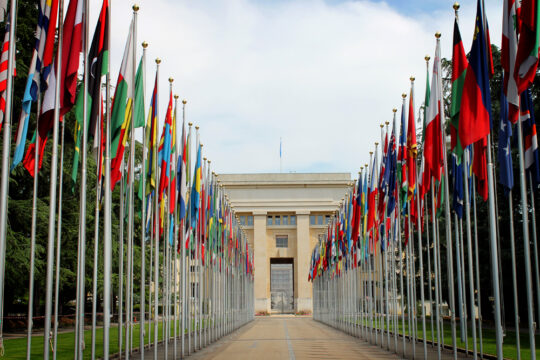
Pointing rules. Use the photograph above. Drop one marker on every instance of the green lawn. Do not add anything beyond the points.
(488, 338)
(16, 348)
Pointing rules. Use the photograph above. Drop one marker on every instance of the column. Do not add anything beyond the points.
(261, 263)
(304, 300)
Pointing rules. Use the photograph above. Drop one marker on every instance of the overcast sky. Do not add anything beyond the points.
(322, 75)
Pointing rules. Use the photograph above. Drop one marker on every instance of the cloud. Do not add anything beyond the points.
(321, 75)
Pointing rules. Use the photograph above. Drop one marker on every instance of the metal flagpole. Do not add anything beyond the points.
(52, 201)
(463, 284)
(421, 256)
(156, 226)
(131, 194)
(142, 328)
(81, 258)
(200, 259)
(436, 267)
(460, 285)
(398, 209)
(176, 224)
(4, 186)
(514, 276)
(107, 226)
(58, 243)
(525, 222)
(121, 261)
(469, 245)
(33, 237)
(477, 270)
(535, 246)
(96, 249)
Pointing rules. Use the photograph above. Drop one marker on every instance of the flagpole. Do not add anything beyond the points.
(535, 245)
(156, 227)
(176, 225)
(52, 201)
(58, 244)
(477, 269)
(96, 249)
(514, 276)
(107, 226)
(142, 328)
(526, 245)
(436, 268)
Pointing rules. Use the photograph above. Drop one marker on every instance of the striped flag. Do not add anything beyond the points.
(508, 56)
(4, 60)
(530, 139)
(182, 172)
(164, 159)
(528, 45)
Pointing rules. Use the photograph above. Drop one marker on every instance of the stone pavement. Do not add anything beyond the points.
(282, 337)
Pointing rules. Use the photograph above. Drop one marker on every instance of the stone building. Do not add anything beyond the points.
(283, 216)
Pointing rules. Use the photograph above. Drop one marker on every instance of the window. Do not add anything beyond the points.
(250, 220)
(242, 220)
(312, 219)
(269, 220)
(293, 219)
(285, 220)
(282, 241)
(277, 220)
(319, 219)
(327, 219)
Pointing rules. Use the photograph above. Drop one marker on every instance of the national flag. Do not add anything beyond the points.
(506, 171)
(508, 56)
(475, 113)
(4, 61)
(530, 139)
(459, 70)
(164, 159)
(97, 65)
(151, 142)
(182, 172)
(433, 142)
(457, 185)
(425, 176)
(71, 49)
(372, 195)
(357, 211)
(402, 157)
(528, 45)
(121, 110)
(479, 167)
(34, 72)
(411, 149)
(390, 175)
(196, 188)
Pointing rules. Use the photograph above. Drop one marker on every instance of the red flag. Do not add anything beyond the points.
(528, 45)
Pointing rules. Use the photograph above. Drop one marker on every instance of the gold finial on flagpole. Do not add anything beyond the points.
(382, 125)
(394, 110)
(144, 44)
(135, 7)
(158, 61)
(411, 78)
(184, 101)
(190, 123)
(171, 80)
(456, 6)
(427, 58)
(404, 95)
(438, 34)
(176, 96)
(196, 127)
(387, 123)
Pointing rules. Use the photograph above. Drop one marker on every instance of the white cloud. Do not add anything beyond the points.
(321, 76)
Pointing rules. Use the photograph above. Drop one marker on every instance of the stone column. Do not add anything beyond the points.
(261, 262)
(304, 300)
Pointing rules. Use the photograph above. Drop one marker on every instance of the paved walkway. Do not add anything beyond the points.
(290, 338)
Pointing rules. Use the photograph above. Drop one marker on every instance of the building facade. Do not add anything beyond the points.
(283, 216)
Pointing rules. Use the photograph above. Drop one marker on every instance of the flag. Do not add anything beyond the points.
(402, 157)
(164, 159)
(411, 149)
(425, 176)
(508, 56)
(34, 72)
(459, 70)
(140, 76)
(196, 188)
(530, 139)
(433, 145)
(504, 154)
(528, 45)
(372, 194)
(97, 65)
(457, 185)
(71, 49)
(121, 110)
(475, 113)
(4, 60)
(390, 174)
(182, 183)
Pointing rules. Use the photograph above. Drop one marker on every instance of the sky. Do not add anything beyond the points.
(319, 75)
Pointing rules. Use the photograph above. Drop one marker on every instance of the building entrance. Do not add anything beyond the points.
(281, 286)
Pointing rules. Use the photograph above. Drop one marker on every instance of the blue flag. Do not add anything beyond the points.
(506, 173)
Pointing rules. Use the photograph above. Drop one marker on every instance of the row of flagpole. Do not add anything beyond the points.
(365, 271)
(201, 266)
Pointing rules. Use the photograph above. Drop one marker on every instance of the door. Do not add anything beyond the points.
(281, 288)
